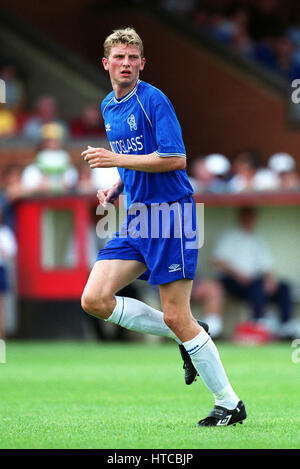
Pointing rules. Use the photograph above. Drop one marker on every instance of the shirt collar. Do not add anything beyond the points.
(128, 95)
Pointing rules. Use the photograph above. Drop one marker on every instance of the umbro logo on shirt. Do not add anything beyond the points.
(108, 127)
(131, 122)
(174, 267)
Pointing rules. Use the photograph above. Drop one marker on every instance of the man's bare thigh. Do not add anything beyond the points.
(111, 275)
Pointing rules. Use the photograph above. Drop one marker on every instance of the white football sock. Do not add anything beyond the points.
(139, 317)
(206, 360)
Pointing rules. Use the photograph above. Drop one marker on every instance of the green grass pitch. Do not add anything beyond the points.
(108, 395)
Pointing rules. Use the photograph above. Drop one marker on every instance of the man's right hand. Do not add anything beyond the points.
(108, 196)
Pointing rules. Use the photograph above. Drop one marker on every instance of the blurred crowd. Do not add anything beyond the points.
(244, 172)
(267, 31)
(18, 120)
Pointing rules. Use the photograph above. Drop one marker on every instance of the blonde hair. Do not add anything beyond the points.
(127, 36)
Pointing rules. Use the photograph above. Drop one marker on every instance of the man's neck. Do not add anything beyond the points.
(121, 91)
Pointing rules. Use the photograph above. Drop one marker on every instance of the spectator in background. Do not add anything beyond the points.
(245, 268)
(14, 86)
(229, 26)
(209, 174)
(245, 164)
(279, 54)
(52, 170)
(14, 189)
(241, 40)
(45, 112)
(248, 175)
(284, 166)
(8, 249)
(89, 123)
(286, 61)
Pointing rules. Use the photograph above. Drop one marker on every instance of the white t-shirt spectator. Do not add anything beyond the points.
(244, 251)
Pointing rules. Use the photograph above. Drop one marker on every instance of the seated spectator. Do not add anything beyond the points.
(14, 88)
(51, 170)
(284, 166)
(13, 187)
(245, 268)
(210, 294)
(89, 124)
(8, 248)
(209, 174)
(45, 112)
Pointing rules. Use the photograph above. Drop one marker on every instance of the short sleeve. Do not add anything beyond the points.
(166, 128)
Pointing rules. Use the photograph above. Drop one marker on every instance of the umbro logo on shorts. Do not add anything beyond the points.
(108, 127)
(174, 267)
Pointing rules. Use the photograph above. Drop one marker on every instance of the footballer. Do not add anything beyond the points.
(148, 150)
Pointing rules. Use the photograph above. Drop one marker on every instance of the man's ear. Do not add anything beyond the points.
(105, 63)
(143, 61)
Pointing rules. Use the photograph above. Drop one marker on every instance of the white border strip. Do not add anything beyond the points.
(182, 256)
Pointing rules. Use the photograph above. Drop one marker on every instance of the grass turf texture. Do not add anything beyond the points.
(89, 395)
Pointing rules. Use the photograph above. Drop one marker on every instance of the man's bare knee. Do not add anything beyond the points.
(175, 320)
(181, 322)
(101, 307)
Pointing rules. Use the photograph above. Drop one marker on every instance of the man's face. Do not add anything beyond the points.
(124, 65)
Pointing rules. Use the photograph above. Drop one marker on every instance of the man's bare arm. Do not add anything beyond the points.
(151, 163)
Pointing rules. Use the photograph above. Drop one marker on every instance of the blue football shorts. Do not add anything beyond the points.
(161, 236)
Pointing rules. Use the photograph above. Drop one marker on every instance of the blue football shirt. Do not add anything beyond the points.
(143, 122)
